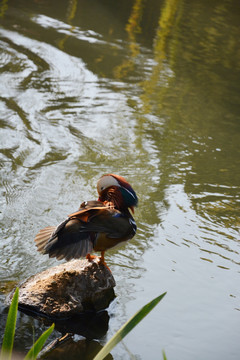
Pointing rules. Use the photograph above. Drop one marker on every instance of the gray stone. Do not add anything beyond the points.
(68, 289)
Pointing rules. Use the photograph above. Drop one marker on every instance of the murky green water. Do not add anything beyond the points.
(149, 90)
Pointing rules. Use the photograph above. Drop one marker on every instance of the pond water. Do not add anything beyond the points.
(150, 91)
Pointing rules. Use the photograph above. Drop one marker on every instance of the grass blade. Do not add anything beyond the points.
(127, 327)
(7, 345)
(164, 355)
(37, 346)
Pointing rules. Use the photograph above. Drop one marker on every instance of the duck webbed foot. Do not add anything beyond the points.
(101, 259)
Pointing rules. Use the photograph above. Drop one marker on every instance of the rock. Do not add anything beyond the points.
(65, 290)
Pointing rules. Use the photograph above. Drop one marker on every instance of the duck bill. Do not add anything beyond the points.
(132, 208)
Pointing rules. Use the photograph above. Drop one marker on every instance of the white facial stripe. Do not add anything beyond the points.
(105, 182)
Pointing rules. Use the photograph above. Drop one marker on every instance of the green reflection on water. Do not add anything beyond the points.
(196, 55)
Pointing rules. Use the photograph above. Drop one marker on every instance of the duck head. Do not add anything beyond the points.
(115, 189)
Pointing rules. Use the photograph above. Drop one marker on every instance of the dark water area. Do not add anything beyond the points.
(150, 91)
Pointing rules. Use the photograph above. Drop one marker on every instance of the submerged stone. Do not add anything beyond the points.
(71, 288)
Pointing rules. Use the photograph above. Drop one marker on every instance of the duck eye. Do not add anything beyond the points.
(102, 188)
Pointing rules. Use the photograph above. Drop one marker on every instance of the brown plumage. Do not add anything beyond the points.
(96, 226)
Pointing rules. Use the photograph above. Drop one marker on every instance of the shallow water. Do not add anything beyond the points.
(84, 92)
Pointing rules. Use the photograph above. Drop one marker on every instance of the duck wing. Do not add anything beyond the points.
(84, 230)
(64, 240)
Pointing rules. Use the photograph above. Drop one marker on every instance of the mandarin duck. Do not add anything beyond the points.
(96, 226)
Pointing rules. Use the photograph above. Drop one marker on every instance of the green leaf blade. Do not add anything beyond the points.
(127, 327)
(8, 339)
(37, 346)
(164, 355)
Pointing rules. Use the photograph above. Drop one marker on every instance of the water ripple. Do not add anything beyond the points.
(181, 225)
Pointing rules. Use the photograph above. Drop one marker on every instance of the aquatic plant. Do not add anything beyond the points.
(8, 339)
(9, 333)
(127, 327)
